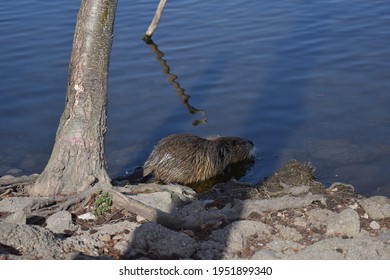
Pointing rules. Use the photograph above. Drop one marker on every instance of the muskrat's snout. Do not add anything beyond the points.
(251, 143)
(252, 153)
(251, 148)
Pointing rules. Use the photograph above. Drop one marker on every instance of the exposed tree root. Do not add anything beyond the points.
(178, 219)
(9, 181)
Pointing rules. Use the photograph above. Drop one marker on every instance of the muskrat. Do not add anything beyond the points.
(187, 159)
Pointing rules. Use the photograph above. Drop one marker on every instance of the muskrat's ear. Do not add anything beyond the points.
(236, 142)
(224, 154)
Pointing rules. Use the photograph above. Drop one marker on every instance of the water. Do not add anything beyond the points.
(307, 80)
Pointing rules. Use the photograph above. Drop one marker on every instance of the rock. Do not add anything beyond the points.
(298, 190)
(159, 200)
(60, 222)
(6, 178)
(235, 235)
(318, 217)
(375, 225)
(195, 206)
(288, 233)
(354, 206)
(87, 216)
(13, 204)
(18, 217)
(163, 197)
(377, 207)
(264, 255)
(361, 247)
(115, 229)
(183, 193)
(30, 240)
(140, 219)
(122, 247)
(90, 243)
(347, 222)
(209, 250)
(300, 222)
(279, 203)
(105, 237)
(163, 242)
(281, 248)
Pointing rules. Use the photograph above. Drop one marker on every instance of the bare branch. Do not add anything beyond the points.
(155, 21)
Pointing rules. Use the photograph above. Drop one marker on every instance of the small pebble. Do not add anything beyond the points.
(354, 206)
(87, 216)
(300, 222)
(375, 225)
(105, 238)
(140, 219)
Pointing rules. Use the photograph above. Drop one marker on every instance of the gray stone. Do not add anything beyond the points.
(60, 222)
(30, 240)
(160, 200)
(182, 193)
(122, 247)
(288, 233)
(358, 248)
(282, 248)
(300, 222)
(298, 190)
(235, 235)
(374, 225)
(279, 203)
(18, 217)
(13, 204)
(117, 228)
(87, 216)
(209, 250)
(89, 244)
(377, 207)
(195, 206)
(264, 255)
(163, 242)
(347, 222)
(318, 217)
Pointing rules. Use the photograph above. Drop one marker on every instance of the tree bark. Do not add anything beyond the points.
(77, 161)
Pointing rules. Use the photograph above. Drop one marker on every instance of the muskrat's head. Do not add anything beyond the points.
(240, 149)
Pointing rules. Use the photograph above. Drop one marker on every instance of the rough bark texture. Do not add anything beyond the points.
(77, 160)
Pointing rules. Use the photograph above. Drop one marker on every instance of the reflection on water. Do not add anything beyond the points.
(302, 79)
(172, 79)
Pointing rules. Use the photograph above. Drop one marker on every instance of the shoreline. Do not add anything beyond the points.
(288, 216)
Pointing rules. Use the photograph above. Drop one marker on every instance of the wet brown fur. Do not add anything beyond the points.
(186, 159)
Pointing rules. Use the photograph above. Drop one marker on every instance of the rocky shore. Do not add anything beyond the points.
(290, 215)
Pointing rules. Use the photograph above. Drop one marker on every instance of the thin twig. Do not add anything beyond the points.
(155, 21)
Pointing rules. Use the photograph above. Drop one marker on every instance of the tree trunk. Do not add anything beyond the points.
(77, 161)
